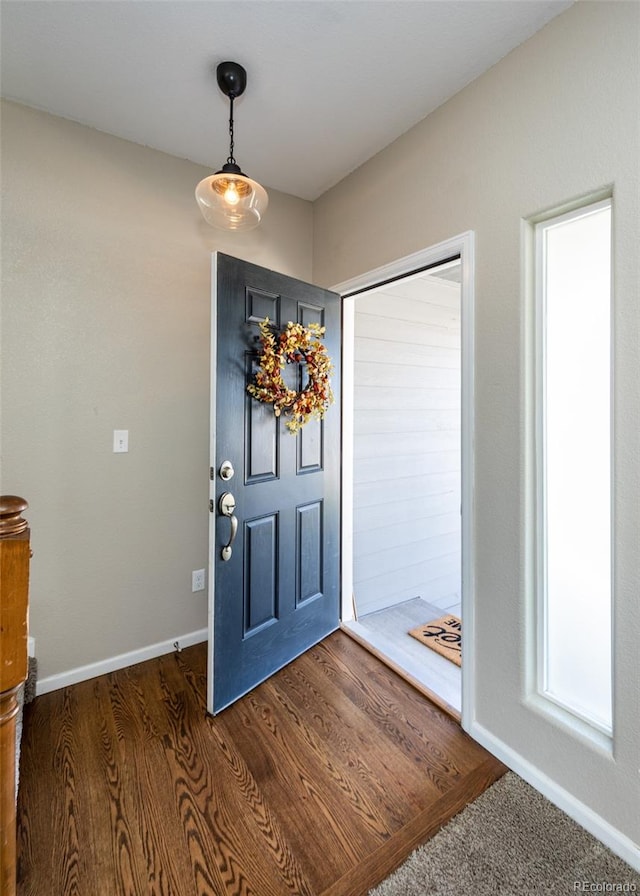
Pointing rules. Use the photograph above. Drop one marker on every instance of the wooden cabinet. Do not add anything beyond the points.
(14, 592)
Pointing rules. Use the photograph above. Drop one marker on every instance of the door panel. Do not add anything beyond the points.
(278, 593)
(309, 552)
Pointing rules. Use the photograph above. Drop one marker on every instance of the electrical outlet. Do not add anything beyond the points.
(197, 580)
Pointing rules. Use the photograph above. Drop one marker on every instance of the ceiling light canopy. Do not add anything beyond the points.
(229, 199)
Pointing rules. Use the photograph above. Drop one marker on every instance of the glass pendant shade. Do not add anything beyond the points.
(231, 200)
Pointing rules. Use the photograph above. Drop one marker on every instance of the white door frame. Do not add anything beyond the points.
(464, 246)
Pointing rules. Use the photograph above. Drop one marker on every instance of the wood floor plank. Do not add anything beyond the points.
(393, 772)
(233, 833)
(145, 796)
(439, 766)
(317, 783)
(352, 743)
(339, 777)
(292, 874)
(427, 717)
(269, 834)
(292, 778)
(54, 749)
(441, 732)
(215, 827)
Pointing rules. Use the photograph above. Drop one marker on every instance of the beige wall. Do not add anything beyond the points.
(554, 120)
(105, 325)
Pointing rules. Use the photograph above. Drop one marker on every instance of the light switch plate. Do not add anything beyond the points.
(120, 441)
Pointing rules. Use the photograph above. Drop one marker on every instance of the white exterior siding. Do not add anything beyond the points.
(407, 444)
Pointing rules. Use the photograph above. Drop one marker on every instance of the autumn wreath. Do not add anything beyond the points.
(295, 344)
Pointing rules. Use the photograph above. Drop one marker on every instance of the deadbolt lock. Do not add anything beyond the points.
(226, 470)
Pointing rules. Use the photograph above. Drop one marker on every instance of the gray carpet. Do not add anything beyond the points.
(513, 842)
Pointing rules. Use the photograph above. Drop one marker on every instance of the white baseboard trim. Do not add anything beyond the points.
(102, 667)
(617, 842)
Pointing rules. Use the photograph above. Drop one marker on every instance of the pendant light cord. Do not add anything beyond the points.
(230, 159)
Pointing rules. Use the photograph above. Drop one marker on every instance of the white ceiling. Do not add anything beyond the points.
(330, 82)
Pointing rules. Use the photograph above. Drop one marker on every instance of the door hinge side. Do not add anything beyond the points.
(212, 474)
(211, 505)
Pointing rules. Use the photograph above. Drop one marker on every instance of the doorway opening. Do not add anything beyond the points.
(406, 465)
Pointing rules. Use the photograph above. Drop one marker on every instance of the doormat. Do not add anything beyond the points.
(443, 635)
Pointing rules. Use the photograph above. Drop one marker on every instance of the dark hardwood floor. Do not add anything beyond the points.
(320, 782)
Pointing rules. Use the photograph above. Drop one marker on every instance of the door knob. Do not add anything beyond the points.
(226, 506)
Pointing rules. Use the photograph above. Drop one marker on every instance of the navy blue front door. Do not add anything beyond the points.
(276, 592)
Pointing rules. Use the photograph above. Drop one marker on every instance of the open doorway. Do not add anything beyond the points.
(405, 465)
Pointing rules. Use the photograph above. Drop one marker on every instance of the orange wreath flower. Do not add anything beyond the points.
(295, 344)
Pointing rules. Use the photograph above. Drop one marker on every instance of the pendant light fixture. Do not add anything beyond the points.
(229, 199)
